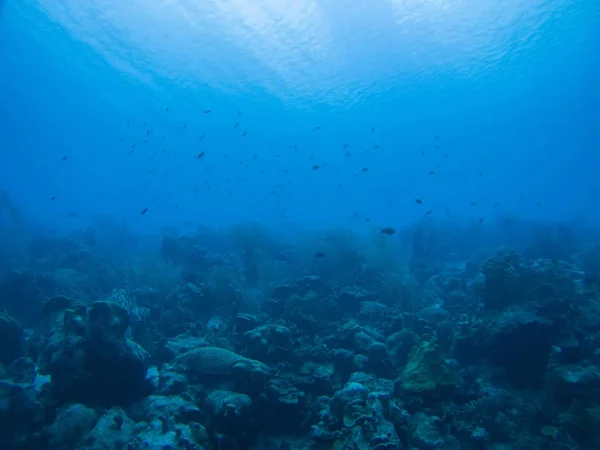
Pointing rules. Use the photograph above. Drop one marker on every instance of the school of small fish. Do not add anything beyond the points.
(237, 126)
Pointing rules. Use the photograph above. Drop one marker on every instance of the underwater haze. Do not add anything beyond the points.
(299, 225)
(506, 90)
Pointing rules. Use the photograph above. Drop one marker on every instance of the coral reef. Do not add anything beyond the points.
(359, 349)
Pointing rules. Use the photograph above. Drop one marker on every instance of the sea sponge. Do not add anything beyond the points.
(218, 361)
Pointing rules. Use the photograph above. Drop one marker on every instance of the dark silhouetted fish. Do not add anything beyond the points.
(389, 231)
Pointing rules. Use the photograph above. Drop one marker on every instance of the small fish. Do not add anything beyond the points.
(166, 109)
(372, 129)
(375, 147)
(431, 172)
(200, 155)
(207, 111)
(428, 213)
(473, 203)
(446, 156)
(52, 198)
(237, 124)
(319, 255)
(145, 141)
(244, 133)
(418, 201)
(481, 220)
(348, 154)
(144, 211)
(423, 152)
(64, 158)
(318, 127)
(437, 137)
(389, 231)
(480, 174)
(239, 113)
(364, 169)
(201, 138)
(315, 167)
(345, 145)
(538, 204)
(367, 219)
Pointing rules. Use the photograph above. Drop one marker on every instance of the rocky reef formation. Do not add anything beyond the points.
(491, 353)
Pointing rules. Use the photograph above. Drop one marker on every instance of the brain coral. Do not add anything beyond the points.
(427, 369)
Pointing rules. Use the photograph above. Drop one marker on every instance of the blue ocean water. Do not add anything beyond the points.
(508, 91)
(295, 224)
